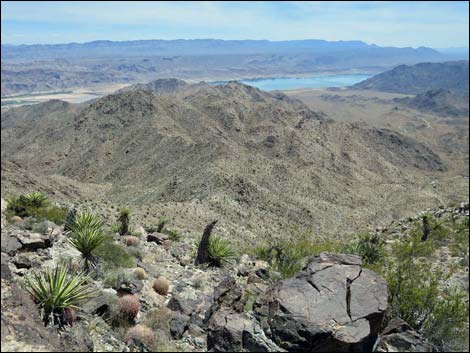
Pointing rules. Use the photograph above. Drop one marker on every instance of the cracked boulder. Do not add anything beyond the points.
(237, 332)
(333, 304)
(398, 336)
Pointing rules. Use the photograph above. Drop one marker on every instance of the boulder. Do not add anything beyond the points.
(158, 238)
(180, 304)
(10, 244)
(332, 305)
(398, 336)
(229, 331)
(5, 269)
(23, 260)
(178, 325)
(33, 241)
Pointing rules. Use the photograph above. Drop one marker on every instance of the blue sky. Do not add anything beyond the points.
(434, 24)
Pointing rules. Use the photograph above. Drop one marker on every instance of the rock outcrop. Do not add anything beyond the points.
(398, 336)
(333, 304)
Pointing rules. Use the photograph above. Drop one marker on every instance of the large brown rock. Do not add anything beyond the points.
(332, 305)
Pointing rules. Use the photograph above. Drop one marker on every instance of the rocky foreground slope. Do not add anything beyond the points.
(333, 304)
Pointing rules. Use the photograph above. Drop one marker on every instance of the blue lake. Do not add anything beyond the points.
(283, 83)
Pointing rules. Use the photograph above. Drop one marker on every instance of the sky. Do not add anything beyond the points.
(386, 23)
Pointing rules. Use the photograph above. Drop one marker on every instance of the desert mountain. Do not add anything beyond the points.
(439, 102)
(419, 78)
(231, 152)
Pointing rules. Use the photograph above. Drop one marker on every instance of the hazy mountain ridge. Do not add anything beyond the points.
(64, 66)
(185, 47)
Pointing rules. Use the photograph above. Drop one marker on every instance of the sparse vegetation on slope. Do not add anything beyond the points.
(36, 205)
(55, 290)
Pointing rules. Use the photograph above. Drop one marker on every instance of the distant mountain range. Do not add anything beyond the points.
(106, 48)
(33, 68)
(421, 78)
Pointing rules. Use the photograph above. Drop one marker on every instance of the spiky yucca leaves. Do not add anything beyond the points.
(86, 220)
(124, 216)
(34, 199)
(54, 290)
(86, 240)
(161, 224)
(369, 246)
(220, 251)
(26, 205)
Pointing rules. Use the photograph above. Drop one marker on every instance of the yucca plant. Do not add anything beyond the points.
(86, 240)
(86, 220)
(220, 251)
(124, 216)
(115, 228)
(369, 246)
(34, 199)
(54, 290)
(161, 224)
(27, 204)
(172, 234)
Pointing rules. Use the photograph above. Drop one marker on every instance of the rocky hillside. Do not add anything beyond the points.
(148, 295)
(440, 102)
(419, 78)
(229, 152)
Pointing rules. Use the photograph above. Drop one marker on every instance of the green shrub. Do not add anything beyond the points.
(54, 214)
(438, 229)
(447, 326)
(369, 246)
(114, 278)
(114, 255)
(172, 234)
(288, 257)
(416, 294)
(150, 229)
(115, 228)
(161, 224)
(220, 251)
(35, 204)
(460, 244)
(54, 290)
(87, 240)
(123, 220)
(135, 252)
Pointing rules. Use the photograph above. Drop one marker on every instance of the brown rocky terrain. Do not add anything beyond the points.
(229, 152)
(243, 307)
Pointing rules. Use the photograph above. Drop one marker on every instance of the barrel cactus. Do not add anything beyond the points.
(161, 285)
